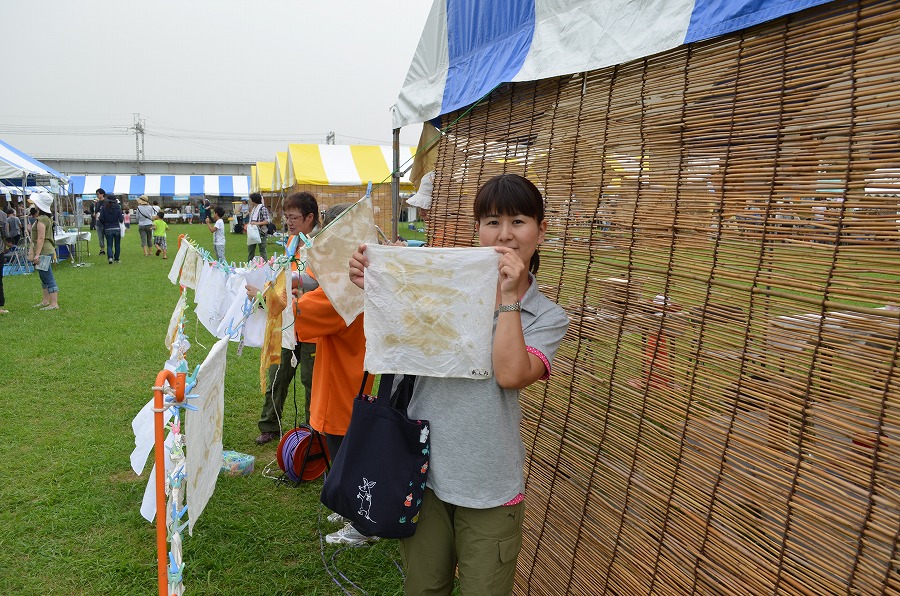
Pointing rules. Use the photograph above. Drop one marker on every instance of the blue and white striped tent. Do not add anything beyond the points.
(468, 47)
(162, 185)
(14, 164)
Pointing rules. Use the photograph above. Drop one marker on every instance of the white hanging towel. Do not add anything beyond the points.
(148, 502)
(254, 329)
(430, 311)
(177, 262)
(174, 319)
(212, 297)
(191, 267)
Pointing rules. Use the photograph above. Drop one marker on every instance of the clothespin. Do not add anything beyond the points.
(178, 528)
(172, 403)
(177, 514)
(247, 309)
(175, 571)
(369, 189)
(292, 245)
(305, 239)
(233, 332)
(191, 379)
(176, 477)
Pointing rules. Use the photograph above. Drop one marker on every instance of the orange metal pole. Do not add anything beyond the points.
(176, 381)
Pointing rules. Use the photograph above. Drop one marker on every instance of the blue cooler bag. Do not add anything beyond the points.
(377, 477)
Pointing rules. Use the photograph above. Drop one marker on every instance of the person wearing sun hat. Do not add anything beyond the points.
(145, 215)
(43, 247)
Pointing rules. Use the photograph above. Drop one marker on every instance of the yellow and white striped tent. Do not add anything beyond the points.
(340, 173)
(279, 181)
(343, 165)
(261, 180)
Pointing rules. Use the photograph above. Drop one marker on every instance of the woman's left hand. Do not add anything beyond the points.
(511, 270)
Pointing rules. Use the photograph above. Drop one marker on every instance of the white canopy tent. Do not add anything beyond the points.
(25, 174)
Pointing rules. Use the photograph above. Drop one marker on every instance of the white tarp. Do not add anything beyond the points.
(468, 47)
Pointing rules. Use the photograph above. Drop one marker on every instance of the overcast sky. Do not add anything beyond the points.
(213, 79)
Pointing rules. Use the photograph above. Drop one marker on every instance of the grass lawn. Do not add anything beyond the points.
(71, 383)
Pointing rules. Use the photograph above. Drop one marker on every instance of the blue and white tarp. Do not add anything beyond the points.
(15, 163)
(468, 47)
(163, 186)
(17, 190)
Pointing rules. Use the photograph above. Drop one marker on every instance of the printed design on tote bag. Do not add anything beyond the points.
(365, 498)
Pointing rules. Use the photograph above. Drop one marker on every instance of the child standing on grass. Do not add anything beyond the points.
(216, 225)
(159, 234)
(471, 513)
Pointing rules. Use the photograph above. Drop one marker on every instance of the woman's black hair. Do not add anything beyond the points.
(256, 197)
(511, 194)
(305, 203)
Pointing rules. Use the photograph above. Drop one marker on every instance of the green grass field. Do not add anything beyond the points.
(71, 382)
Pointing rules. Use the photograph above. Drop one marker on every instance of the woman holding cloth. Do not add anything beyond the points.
(471, 514)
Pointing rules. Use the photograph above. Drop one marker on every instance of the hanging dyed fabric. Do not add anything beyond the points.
(172, 331)
(177, 262)
(190, 269)
(430, 311)
(271, 346)
(203, 432)
(331, 251)
(212, 297)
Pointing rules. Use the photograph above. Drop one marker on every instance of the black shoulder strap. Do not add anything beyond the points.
(398, 398)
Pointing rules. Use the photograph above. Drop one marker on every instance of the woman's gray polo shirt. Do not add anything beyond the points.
(477, 454)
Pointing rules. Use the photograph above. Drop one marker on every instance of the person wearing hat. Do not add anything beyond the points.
(43, 245)
(145, 215)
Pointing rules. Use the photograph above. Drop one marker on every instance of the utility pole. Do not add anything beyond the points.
(329, 138)
(138, 141)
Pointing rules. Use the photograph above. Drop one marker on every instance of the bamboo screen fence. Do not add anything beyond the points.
(724, 233)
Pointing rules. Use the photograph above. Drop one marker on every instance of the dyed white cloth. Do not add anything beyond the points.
(254, 328)
(212, 297)
(203, 432)
(191, 268)
(148, 502)
(174, 319)
(331, 251)
(177, 262)
(142, 426)
(288, 335)
(430, 311)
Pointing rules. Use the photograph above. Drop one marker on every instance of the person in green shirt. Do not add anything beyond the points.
(43, 248)
(159, 234)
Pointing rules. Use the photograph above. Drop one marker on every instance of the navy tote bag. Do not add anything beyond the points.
(377, 477)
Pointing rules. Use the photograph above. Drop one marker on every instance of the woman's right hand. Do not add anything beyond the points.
(358, 264)
(252, 291)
